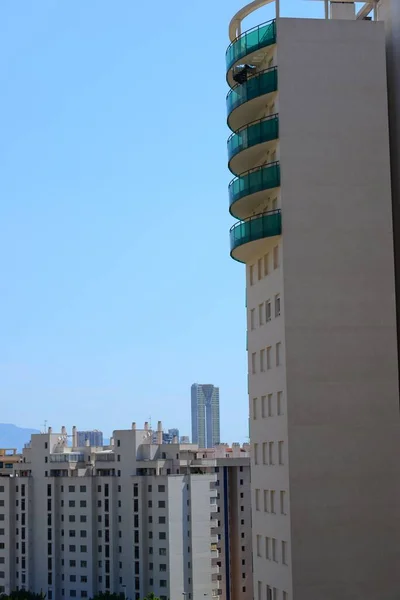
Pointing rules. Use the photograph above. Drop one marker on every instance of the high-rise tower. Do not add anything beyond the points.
(310, 155)
(205, 415)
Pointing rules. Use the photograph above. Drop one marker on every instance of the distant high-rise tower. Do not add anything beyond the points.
(94, 437)
(205, 415)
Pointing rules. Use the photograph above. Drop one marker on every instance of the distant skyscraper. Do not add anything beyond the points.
(95, 438)
(205, 415)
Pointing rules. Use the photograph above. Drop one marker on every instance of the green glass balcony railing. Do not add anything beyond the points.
(256, 180)
(251, 40)
(264, 83)
(258, 227)
(264, 130)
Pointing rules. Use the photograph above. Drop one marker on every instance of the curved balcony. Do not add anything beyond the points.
(250, 42)
(248, 145)
(246, 191)
(248, 238)
(247, 99)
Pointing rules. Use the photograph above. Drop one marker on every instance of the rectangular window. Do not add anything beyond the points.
(254, 408)
(263, 405)
(277, 305)
(71, 503)
(268, 310)
(278, 354)
(82, 489)
(162, 535)
(258, 540)
(257, 499)
(161, 504)
(259, 268)
(255, 454)
(283, 502)
(266, 264)
(285, 596)
(280, 453)
(284, 553)
(274, 594)
(251, 274)
(272, 502)
(262, 360)
(274, 551)
(265, 453)
(266, 501)
(163, 583)
(259, 590)
(253, 362)
(270, 411)
(252, 319)
(279, 403)
(261, 314)
(267, 548)
(71, 488)
(161, 520)
(271, 453)
(276, 257)
(161, 488)
(268, 357)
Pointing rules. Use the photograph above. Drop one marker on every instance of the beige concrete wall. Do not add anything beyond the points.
(340, 326)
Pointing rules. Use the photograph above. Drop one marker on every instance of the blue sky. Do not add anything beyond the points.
(117, 290)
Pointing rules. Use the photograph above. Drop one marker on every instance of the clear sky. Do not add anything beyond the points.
(117, 289)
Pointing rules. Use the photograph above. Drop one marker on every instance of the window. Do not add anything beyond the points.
(272, 503)
(266, 503)
(161, 520)
(161, 504)
(285, 596)
(266, 264)
(72, 593)
(259, 268)
(71, 503)
(252, 319)
(258, 545)
(84, 594)
(268, 310)
(72, 578)
(259, 590)
(277, 305)
(262, 360)
(278, 354)
(253, 362)
(71, 488)
(271, 453)
(82, 489)
(269, 357)
(267, 548)
(270, 412)
(283, 502)
(257, 499)
(83, 533)
(162, 535)
(265, 453)
(274, 552)
(263, 405)
(71, 518)
(256, 454)
(269, 593)
(72, 548)
(261, 314)
(280, 453)
(163, 583)
(276, 257)
(72, 563)
(254, 408)
(251, 274)
(284, 553)
(83, 564)
(161, 488)
(162, 551)
(279, 403)
(72, 533)
(83, 518)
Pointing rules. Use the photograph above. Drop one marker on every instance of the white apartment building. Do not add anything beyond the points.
(133, 518)
(311, 159)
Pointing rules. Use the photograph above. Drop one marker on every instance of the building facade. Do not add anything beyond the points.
(205, 415)
(133, 518)
(308, 102)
